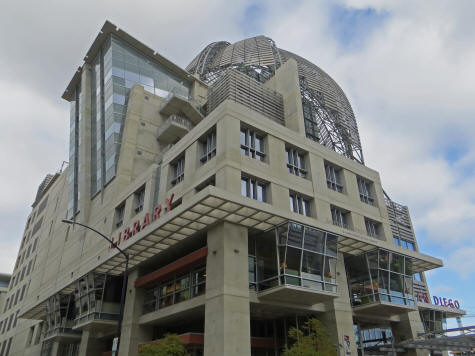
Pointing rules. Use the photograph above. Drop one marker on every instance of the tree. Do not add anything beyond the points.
(312, 340)
(170, 345)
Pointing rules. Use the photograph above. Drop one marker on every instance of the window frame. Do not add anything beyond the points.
(333, 177)
(300, 204)
(248, 147)
(364, 189)
(372, 227)
(178, 174)
(252, 186)
(208, 147)
(119, 215)
(339, 217)
(139, 197)
(296, 161)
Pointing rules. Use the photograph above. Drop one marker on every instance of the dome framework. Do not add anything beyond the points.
(328, 116)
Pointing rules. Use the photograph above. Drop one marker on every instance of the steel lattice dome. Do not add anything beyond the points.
(323, 100)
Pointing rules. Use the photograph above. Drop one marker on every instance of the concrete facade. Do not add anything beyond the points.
(187, 227)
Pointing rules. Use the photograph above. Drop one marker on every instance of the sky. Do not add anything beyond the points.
(407, 67)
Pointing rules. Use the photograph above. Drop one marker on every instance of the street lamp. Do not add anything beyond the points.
(124, 279)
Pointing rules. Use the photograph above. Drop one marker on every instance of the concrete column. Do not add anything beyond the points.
(227, 319)
(132, 333)
(409, 326)
(91, 346)
(55, 349)
(338, 318)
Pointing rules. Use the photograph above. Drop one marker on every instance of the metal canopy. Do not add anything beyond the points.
(440, 341)
(207, 208)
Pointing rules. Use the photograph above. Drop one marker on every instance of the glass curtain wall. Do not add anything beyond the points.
(294, 254)
(380, 275)
(60, 313)
(117, 68)
(74, 142)
(433, 320)
(97, 296)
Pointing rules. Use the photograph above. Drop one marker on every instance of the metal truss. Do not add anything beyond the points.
(259, 58)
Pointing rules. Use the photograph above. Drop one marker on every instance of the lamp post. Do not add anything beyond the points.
(124, 279)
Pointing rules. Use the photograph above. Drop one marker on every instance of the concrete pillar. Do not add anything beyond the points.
(91, 346)
(55, 349)
(132, 333)
(227, 319)
(409, 326)
(338, 318)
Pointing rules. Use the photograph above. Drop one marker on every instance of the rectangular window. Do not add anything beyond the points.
(372, 227)
(22, 295)
(254, 189)
(34, 245)
(119, 215)
(16, 318)
(299, 204)
(339, 217)
(252, 144)
(396, 241)
(296, 162)
(139, 199)
(333, 177)
(7, 350)
(208, 147)
(364, 187)
(178, 171)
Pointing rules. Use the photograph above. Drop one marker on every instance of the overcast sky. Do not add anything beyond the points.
(407, 67)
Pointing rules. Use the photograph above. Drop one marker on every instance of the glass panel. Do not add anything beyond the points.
(312, 266)
(314, 240)
(244, 187)
(383, 259)
(282, 234)
(266, 256)
(397, 263)
(330, 269)
(373, 259)
(295, 235)
(408, 266)
(332, 245)
(312, 284)
(292, 262)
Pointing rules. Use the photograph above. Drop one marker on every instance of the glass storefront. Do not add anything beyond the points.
(175, 289)
(433, 320)
(380, 275)
(293, 254)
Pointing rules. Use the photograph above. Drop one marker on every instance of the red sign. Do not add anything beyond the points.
(139, 225)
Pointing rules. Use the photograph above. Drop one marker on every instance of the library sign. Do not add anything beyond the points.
(141, 224)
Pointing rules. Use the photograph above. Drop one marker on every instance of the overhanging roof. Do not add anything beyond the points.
(450, 312)
(208, 207)
(109, 28)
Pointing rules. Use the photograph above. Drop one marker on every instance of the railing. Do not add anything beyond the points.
(180, 120)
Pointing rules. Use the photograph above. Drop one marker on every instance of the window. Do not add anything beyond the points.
(339, 217)
(296, 162)
(22, 292)
(333, 178)
(372, 227)
(364, 187)
(253, 188)
(209, 147)
(119, 215)
(34, 245)
(178, 169)
(16, 318)
(299, 204)
(252, 144)
(417, 277)
(404, 243)
(139, 199)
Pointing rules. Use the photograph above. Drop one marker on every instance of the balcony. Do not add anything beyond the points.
(173, 129)
(63, 333)
(380, 283)
(301, 266)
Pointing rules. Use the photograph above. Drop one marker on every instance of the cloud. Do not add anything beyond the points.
(462, 261)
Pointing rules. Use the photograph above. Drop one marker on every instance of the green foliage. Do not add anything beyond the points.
(171, 345)
(312, 340)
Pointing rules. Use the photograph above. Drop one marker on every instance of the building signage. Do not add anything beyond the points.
(140, 225)
(445, 302)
